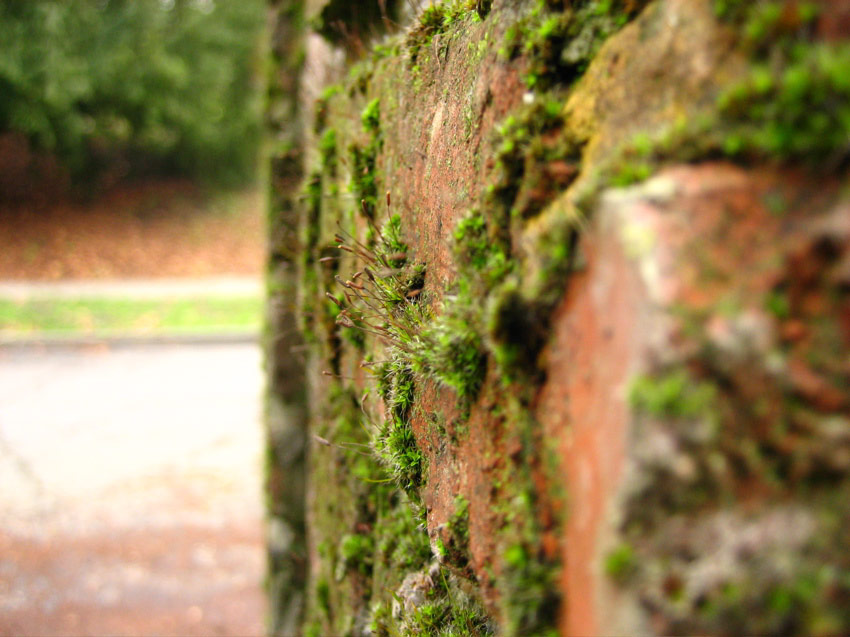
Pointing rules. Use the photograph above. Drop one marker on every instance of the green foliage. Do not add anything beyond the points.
(150, 84)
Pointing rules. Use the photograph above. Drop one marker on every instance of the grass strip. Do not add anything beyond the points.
(89, 316)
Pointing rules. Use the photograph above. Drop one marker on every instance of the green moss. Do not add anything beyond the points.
(364, 160)
(323, 593)
(435, 20)
(530, 597)
(803, 603)
(371, 116)
(536, 158)
(345, 507)
(321, 109)
(453, 353)
(453, 541)
(620, 563)
(777, 303)
(518, 311)
(629, 173)
(479, 322)
(328, 151)
(402, 549)
(447, 610)
(769, 22)
(402, 541)
(309, 311)
(351, 25)
(356, 551)
(395, 443)
(459, 522)
(674, 395)
(480, 253)
(363, 183)
(559, 44)
(777, 111)
(472, 244)
(557, 257)
(516, 332)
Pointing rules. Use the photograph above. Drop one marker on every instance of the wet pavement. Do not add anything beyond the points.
(130, 501)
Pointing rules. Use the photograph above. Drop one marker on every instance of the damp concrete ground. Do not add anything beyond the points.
(130, 489)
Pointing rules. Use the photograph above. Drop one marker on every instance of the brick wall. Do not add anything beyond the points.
(572, 285)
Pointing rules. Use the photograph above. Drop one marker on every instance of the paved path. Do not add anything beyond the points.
(130, 500)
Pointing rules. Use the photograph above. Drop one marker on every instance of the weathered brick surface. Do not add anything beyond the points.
(597, 376)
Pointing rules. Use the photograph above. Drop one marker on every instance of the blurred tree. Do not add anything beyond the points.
(129, 87)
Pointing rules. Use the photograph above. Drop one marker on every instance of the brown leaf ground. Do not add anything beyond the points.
(153, 229)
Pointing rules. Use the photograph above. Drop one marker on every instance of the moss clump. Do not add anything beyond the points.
(322, 106)
(364, 161)
(436, 19)
(453, 539)
(778, 110)
(453, 353)
(472, 244)
(381, 299)
(351, 25)
(516, 330)
(371, 116)
(536, 158)
(328, 151)
(441, 606)
(620, 563)
(559, 44)
(530, 592)
(459, 522)
(395, 443)
(356, 550)
(673, 395)
(481, 252)
(401, 540)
